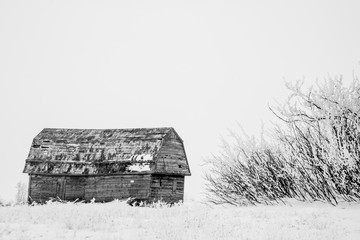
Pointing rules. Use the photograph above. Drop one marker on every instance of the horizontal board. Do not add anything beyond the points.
(106, 188)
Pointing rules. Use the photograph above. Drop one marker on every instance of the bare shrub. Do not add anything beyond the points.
(314, 154)
(21, 193)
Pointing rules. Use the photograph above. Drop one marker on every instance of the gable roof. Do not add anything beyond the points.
(95, 151)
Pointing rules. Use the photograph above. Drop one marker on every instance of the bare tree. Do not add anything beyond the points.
(314, 153)
(21, 193)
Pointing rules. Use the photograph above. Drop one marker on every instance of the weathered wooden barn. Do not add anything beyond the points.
(143, 163)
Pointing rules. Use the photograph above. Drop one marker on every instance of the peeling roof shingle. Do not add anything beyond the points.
(97, 145)
(94, 151)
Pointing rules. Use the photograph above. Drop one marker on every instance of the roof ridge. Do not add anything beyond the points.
(169, 128)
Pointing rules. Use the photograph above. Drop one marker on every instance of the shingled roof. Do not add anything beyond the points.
(97, 151)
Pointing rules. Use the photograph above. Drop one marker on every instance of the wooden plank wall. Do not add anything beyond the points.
(171, 158)
(41, 188)
(107, 188)
(74, 188)
(167, 188)
(102, 188)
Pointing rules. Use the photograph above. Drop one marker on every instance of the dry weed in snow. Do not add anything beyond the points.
(116, 220)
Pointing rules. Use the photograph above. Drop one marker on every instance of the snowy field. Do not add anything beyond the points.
(116, 220)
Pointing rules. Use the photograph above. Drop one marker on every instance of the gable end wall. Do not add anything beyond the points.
(171, 158)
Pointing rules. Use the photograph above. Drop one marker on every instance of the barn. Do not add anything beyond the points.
(147, 164)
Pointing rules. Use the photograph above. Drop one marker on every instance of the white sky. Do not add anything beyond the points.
(197, 66)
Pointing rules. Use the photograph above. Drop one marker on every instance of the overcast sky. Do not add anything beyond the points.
(197, 66)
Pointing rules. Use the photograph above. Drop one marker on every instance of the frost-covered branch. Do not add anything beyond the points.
(314, 156)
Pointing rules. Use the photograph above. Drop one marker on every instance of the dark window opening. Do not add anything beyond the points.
(44, 147)
(180, 166)
(46, 141)
(36, 146)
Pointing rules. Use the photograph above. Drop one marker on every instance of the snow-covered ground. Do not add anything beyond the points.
(116, 220)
